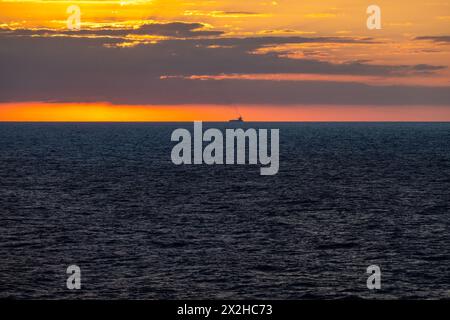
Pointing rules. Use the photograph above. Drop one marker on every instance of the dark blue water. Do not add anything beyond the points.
(107, 198)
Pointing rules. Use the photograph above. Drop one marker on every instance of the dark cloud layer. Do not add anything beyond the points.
(81, 69)
(172, 29)
(435, 38)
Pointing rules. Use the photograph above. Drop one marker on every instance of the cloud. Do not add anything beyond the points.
(175, 29)
(225, 14)
(435, 38)
(170, 29)
(68, 69)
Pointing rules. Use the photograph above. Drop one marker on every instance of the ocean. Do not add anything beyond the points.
(107, 198)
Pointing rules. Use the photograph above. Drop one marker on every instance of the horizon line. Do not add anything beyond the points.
(208, 121)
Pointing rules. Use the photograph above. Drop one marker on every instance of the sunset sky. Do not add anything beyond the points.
(173, 60)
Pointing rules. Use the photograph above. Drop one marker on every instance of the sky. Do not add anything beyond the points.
(172, 60)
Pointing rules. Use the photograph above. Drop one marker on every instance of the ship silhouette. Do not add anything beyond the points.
(237, 120)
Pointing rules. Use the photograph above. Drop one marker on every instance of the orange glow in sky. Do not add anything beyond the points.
(72, 112)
